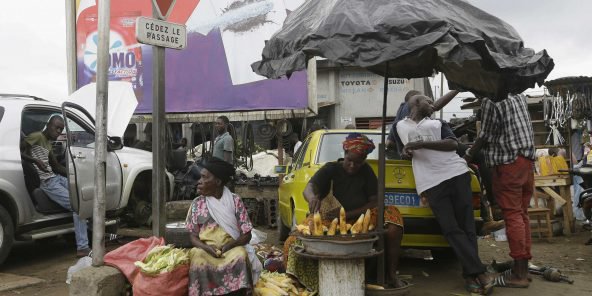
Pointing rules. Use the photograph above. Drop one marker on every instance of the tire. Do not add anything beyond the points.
(6, 233)
(443, 254)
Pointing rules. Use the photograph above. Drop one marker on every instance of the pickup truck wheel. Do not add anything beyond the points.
(6, 233)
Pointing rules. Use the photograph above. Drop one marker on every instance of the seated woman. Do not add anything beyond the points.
(355, 186)
(222, 261)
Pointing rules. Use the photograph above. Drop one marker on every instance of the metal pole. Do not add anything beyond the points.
(71, 44)
(98, 238)
(381, 172)
(159, 149)
(441, 94)
(304, 131)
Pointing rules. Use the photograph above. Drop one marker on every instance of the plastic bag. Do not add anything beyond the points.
(500, 235)
(257, 236)
(171, 283)
(82, 263)
(124, 257)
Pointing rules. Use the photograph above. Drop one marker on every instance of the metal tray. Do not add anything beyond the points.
(342, 237)
(335, 245)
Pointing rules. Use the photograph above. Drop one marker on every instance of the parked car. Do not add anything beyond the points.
(322, 146)
(26, 213)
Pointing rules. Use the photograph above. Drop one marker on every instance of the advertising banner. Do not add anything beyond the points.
(213, 73)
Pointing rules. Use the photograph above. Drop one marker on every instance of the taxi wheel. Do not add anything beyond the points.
(284, 231)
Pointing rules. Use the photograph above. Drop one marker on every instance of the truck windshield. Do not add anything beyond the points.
(332, 146)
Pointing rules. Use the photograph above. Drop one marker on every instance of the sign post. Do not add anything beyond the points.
(160, 34)
(102, 96)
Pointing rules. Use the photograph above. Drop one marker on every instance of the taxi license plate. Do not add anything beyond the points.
(401, 199)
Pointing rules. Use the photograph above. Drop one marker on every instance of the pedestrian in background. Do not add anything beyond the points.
(224, 143)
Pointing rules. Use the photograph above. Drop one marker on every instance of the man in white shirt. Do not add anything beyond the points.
(444, 179)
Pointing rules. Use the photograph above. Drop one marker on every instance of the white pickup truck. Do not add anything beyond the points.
(26, 213)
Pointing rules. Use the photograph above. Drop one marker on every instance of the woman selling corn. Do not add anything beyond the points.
(222, 261)
(355, 186)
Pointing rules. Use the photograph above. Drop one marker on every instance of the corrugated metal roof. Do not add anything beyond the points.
(570, 84)
(232, 116)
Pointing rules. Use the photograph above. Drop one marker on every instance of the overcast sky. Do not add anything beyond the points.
(33, 56)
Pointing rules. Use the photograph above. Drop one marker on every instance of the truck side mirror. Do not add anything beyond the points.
(114, 143)
(280, 169)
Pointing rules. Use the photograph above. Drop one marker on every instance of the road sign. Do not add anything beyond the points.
(163, 7)
(160, 33)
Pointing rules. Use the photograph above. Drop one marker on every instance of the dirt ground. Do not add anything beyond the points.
(49, 260)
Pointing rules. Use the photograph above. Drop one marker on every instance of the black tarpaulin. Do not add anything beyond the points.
(476, 51)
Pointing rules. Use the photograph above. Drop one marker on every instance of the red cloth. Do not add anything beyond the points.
(123, 258)
(174, 283)
(513, 186)
(169, 283)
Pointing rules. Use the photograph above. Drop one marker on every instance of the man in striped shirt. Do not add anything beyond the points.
(507, 140)
(38, 151)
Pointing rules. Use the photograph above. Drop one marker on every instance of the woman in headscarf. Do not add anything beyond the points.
(354, 184)
(222, 261)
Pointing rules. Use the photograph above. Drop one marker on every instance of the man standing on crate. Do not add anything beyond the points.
(507, 140)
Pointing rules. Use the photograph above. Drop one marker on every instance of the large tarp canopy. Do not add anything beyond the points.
(476, 51)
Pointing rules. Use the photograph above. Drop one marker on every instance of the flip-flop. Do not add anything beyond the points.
(486, 287)
(473, 287)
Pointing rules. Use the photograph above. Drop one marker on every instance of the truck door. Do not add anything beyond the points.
(80, 135)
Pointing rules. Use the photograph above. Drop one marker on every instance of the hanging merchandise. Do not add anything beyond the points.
(199, 128)
(578, 107)
(579, 91)
(266, 130)
(556, 111)
(248, 146)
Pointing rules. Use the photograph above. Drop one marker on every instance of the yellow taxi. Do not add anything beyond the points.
(322, 146)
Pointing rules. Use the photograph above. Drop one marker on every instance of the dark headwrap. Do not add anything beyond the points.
(358, 143)
(219, 168)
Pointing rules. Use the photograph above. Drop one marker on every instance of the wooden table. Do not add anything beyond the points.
(563, 182)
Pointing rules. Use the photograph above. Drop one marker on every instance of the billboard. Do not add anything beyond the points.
(213, 74)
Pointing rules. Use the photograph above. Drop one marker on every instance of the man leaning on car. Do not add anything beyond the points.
(37, 149)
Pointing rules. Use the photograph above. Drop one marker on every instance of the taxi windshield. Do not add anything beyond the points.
(331, 148)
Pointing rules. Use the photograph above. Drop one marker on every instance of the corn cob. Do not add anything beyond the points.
(275, 288)
(357, 227)
(374, 287)
(318, 224)
(342, 221)
(311, 226)
(332, 228)
(366, 222)
(266, 292)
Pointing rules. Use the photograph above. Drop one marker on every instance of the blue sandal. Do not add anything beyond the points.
(473, 286)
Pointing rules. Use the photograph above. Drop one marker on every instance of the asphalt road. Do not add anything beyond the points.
(49, 261)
